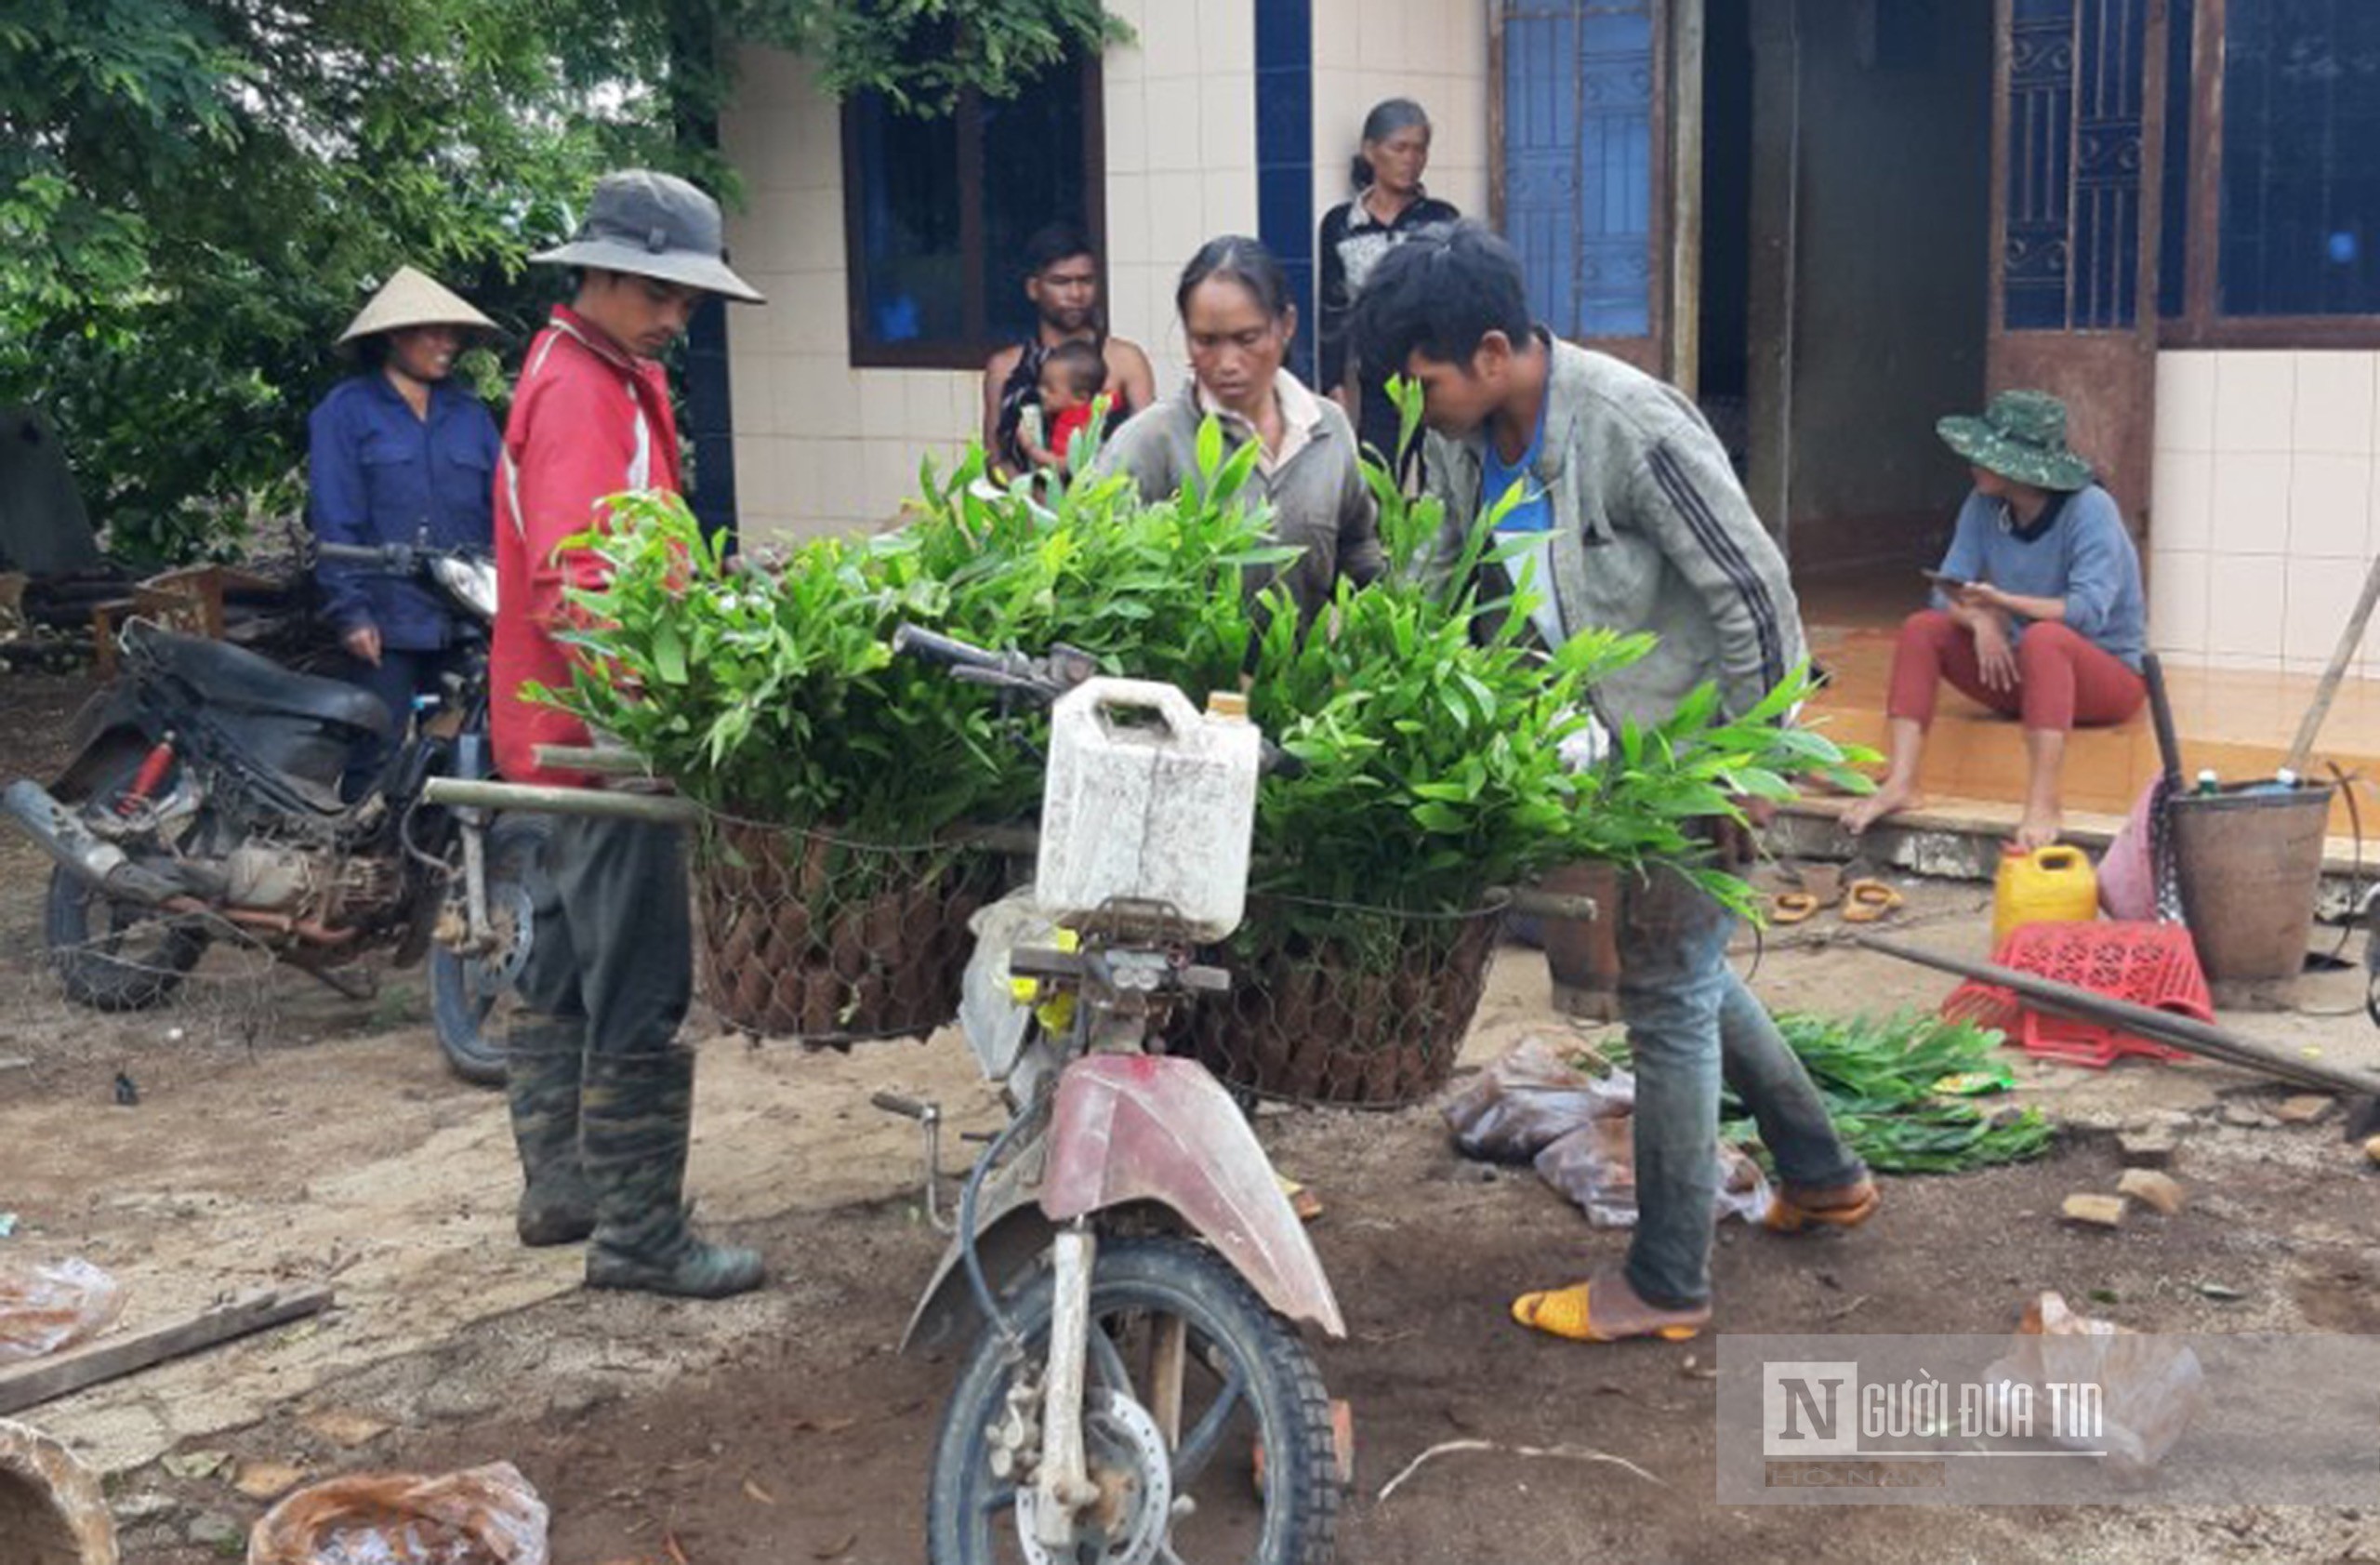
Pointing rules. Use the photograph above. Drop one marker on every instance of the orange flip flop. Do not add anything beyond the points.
(1846, 1208)
(1563, 1312)
(1792, 907)
(1867, 901)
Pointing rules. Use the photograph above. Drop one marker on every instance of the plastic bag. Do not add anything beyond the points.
(2128, 872)
(989, 1016)
(2151, 1387)
(483, 1516)
(55, 1306)
(1529, 1098)
(1594, 1166)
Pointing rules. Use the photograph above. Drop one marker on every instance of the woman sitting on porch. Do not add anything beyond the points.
(2038, 611)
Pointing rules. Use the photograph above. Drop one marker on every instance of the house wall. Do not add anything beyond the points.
(821, 446)
(2263, 518)
(1433, 51)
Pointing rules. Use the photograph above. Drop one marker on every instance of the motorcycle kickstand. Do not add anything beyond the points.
(1064, 1479)
(929, 1119)
(363, 985)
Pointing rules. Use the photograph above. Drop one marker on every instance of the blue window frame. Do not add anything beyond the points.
(1580, 144)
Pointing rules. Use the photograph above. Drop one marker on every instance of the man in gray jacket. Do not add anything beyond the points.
(1624, 498)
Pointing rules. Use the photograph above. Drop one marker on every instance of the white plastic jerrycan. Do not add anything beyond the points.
(1148, 797)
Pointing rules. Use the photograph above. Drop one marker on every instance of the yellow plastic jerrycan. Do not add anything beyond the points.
(2049, 885)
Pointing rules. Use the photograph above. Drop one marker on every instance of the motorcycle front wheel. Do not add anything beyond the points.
(1206, 1424)
(470, 998)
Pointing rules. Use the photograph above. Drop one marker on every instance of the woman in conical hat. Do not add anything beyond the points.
(2038, 611)
(400, 453)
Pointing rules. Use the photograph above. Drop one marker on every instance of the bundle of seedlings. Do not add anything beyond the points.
(1445, 757)
(832, 880)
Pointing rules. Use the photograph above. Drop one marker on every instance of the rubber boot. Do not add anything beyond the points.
(543, 1060)
(635, 1121)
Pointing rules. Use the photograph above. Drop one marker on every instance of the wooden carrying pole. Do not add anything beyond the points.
(664, 809)
(2301, 749)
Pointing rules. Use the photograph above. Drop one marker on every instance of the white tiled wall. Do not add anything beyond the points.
(2266, 507)
(819, 447)
(1180, 109)
(1433, 51)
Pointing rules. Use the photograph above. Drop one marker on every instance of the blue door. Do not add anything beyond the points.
(1583, 168)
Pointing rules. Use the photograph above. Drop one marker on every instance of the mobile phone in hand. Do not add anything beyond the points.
(1946, 583)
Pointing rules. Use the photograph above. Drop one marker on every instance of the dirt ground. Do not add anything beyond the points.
(285, 1135)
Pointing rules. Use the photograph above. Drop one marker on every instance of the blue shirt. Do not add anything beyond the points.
(378, 474)
(1529, 522)
(2084, 557)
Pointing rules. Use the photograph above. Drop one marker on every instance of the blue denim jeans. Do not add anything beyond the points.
(1690, 1021)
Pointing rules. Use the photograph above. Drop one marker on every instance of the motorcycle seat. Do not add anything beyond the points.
(234, 678)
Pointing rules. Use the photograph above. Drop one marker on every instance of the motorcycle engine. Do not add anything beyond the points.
(272, 879)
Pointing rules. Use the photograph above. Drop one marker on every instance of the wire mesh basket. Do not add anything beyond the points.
(1352, 1007)
(833, 941)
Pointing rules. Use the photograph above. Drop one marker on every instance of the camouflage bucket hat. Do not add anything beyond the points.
(2021, 435)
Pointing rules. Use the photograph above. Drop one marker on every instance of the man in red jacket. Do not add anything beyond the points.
(602, 1091)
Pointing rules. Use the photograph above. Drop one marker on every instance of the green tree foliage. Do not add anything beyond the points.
(195, 194)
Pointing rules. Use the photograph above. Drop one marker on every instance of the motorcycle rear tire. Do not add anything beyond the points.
(91, 966)
(967, 1522)
(471, 1031)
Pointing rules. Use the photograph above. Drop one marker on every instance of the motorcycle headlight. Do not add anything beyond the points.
(469, 582)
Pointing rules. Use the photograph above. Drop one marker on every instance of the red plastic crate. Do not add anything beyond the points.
(2151, 965)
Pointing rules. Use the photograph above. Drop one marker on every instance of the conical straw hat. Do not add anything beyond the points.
(409, 298)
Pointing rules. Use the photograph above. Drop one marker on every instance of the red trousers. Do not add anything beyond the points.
(2062, 680)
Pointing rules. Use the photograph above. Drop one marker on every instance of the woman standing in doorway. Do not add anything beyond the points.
(1237, 319)
(1390, 205)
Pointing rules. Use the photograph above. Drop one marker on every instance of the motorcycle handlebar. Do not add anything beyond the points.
(395, 559)
(917, 642)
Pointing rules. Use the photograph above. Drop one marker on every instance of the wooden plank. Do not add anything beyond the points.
(44, 1380)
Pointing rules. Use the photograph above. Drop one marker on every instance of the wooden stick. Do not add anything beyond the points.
(2351, 638)
(2182, 1032)
(44, 1380)
(657, 808)
(611, 760)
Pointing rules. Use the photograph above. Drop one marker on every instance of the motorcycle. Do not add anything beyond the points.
(203, 802)
(1137, 1392)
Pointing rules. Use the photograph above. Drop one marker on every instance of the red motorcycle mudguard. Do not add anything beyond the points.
(1139, 1128)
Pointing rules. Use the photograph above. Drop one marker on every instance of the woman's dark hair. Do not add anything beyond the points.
(371, 353)
(1388, 116)
(1235, 258)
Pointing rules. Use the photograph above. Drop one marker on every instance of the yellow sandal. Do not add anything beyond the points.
(1867, 901)
(1850, 1207)
(1563, 1312)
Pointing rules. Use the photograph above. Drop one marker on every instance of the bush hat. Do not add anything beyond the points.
(653, 225)
(413, 299)
(2021, 435)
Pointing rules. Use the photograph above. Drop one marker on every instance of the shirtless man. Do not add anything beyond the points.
(1061, 279)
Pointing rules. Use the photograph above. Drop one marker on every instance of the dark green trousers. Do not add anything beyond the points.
(613, 941)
